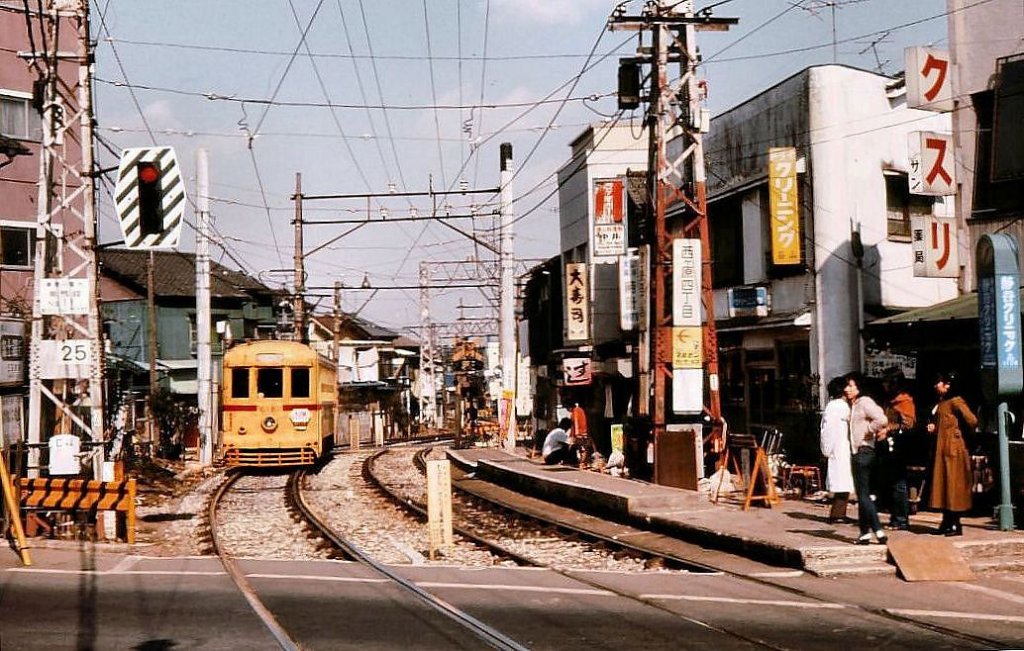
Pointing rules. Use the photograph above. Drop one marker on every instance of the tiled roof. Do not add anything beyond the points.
(174, 274)
(372, 330)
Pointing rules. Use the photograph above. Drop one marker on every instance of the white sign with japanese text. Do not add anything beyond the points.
(609, 217)
(928, 77)
(64, 295)
(630, 291)
(686, 282)
(576, 371)
(934, 243)
(577, 302)
(932, 171)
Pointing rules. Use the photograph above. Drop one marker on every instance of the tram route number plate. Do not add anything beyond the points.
(70, 358)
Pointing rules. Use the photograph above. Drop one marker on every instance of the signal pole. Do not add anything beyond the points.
(66, 213)
(674, 108)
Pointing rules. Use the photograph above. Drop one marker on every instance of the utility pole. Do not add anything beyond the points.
(203, 354)
(507, 314)
(336, 348)
(428, 384)
(299, 309)
(65, 213)
(151, 424)
(677, 183)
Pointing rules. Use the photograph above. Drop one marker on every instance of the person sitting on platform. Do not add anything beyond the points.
(559, 447)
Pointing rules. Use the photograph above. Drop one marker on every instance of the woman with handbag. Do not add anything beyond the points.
(951, 421)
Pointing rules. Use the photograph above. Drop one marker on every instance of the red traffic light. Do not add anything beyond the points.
(148, 173)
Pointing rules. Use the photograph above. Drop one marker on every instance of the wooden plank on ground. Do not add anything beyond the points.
(928, 558)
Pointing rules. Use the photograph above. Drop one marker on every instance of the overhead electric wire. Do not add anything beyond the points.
(124, 74)
(433, 94)
(362, 91)
(380, 94)
(483, 86)
(288, 67)
(327, 97)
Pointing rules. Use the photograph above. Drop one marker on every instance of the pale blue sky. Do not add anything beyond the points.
(201, 73)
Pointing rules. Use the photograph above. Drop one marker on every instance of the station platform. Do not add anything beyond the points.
(793, 533)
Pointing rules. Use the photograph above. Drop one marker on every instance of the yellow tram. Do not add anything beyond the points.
(278, 404)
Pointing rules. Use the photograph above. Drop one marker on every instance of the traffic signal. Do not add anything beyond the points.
(629, 84)
(151, 212)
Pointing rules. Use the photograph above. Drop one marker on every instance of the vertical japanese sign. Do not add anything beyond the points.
(999, 329)
(934, 243)
(686, 282)
(577, 302)
(609, 217)
(929, 84)
(785, 206)
(931, 163)
(687, 335)
(630, 291)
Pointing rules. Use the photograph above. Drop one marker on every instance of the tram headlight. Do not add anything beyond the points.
(269, 423)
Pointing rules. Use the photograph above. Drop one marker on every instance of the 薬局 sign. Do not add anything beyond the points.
(931, 163)
(934, 243)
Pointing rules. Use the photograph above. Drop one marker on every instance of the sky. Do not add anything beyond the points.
(379, 96)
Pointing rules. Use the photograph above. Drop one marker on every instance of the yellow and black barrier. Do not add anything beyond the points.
(82, 495)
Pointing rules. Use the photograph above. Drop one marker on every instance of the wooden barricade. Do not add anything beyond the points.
(53, 494)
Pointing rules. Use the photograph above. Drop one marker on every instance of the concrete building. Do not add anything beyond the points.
(785, 329)
(988, 118)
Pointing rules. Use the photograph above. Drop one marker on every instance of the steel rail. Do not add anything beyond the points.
(283, 639)
(488, 634)
(975, 640)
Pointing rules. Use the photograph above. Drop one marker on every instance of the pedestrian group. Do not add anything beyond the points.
(867, 444)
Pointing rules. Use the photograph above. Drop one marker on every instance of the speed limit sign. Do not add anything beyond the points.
(70, 358)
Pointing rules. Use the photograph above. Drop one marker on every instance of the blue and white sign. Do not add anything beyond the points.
(999, 331)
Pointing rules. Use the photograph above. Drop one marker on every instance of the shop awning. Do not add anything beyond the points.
(963, 308)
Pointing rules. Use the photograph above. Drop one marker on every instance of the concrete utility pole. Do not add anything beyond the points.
(675, 108)
(428, 384)
(151, 425)
(203, 353)
(65, 328)
(300, 266)
(507, 314)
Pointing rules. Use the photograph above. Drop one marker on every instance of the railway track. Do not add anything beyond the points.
(340, 545)
(552, 539)
(481, 509)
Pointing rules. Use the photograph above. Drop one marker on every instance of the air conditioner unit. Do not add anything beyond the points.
(749, 301)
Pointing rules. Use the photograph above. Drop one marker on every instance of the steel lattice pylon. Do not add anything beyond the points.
(65, 240)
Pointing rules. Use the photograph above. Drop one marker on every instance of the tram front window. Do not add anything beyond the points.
(300, 382)
(240, 383)
(270, 382)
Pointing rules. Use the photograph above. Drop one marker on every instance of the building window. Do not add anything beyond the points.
(992, 198)
(17, 246)
(725, 219)
(901, 205)
(18, 119)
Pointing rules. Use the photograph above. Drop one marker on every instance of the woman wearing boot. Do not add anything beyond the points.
(835, 446)
(951, 474)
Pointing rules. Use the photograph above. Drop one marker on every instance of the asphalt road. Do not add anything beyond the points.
(77, 598)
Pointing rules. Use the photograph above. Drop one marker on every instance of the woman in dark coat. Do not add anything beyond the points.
(951, 474)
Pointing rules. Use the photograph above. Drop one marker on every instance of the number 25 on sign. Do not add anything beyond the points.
(70, 358)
